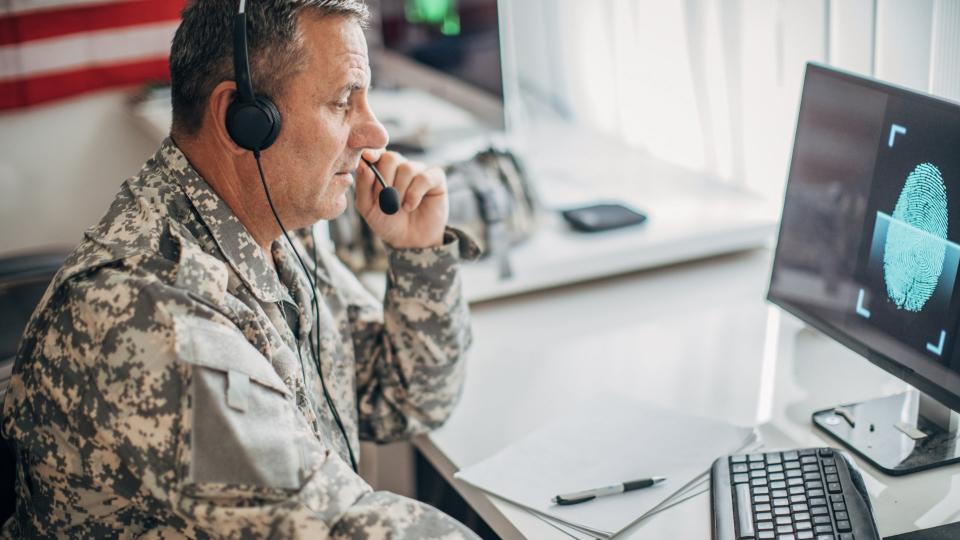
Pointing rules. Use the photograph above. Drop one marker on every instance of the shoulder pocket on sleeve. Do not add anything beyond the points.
(244, 429)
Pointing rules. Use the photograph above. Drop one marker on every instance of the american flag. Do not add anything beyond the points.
(52, 49)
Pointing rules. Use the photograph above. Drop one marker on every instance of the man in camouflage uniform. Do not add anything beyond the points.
(167, 387)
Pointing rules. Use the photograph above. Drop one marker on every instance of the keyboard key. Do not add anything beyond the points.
(775, 468)
(846, 536)
(791, 465)
(810, 467)
(784, 520)
(821, 520)
(811, 475)
(830, 469)
(841, 516)
(808, 459)
(758, 473)
(802, 524)
(782, 511)
(837, 507)
(766, 535)
(784, 529)
(804, 535)
(824, 537)
(815, 493)
(843, 526)
(739, 468)
(740, 479)
(801, 516)
(825, 452)
(764, 516)
(756, 464)
(756, 457)
(823, 529)
(794, 473)
(762, 490)
(764, 525)
(836, 498)
(799, 508)
(781, 501)
(819, 511)
(758, 482)
(738, 459)
(807, 452)
(744, 519)
(762, 508)
(818, 501)
(828, 461)
(777, 493)
(759, 499)
(797, 499)
(787, 456)
(797, 490)
(774, 457)
(776, 476)
(815, 485)
(833, 478)
(778, 485)
(786, 537)
(834, 487)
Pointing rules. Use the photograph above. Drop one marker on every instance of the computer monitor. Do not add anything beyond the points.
(868, 253)
(456, 43)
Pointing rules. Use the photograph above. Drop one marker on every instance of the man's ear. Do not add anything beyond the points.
(216, 118)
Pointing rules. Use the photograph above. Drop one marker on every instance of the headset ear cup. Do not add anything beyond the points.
(274, 113)
(253, 126)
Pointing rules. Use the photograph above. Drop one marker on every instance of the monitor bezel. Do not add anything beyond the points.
(878, 358)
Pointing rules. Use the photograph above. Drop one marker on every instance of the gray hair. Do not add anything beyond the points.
(201, 55)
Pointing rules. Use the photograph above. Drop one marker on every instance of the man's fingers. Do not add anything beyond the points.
(388, 164)
(405, 174)
(428, 182)
(372, 154)
(365, 187)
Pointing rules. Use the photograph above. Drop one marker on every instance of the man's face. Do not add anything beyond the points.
(327, 123)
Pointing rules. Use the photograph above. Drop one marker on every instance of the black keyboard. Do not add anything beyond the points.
(810, 494)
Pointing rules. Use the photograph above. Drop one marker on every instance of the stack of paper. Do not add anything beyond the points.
(609, 442)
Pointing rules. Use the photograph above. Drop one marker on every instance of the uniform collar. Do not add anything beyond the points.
(235, 242)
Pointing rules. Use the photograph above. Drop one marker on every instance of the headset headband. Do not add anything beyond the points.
(241, 59)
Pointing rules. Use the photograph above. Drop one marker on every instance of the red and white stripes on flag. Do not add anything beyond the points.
(52, 49)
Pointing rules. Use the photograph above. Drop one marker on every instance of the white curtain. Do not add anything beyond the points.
(715, 84)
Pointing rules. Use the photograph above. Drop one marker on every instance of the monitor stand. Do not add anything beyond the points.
(900, 434)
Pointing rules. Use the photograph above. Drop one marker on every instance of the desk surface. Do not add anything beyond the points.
(693, 337)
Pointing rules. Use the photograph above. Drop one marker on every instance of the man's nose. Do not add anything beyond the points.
(368, 132)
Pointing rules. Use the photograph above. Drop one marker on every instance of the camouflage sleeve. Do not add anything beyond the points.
(410, 357)
(152, 412)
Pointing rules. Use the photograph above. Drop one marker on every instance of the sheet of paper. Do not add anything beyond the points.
(610, 441)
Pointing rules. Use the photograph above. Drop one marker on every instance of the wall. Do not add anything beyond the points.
(60, 166)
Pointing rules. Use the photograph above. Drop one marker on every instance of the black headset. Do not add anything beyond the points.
(253, 122)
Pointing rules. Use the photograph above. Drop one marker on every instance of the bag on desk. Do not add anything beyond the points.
(490, 199)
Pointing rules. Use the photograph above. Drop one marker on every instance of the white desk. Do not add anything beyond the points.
(691, 337)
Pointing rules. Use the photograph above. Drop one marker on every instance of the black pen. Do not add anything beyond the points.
(590, 494)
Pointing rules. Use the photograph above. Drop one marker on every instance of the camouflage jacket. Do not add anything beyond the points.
(165, 387)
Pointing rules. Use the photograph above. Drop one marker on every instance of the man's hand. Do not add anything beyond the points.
(423, 200)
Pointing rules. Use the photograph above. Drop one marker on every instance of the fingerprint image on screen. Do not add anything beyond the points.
(916, 240)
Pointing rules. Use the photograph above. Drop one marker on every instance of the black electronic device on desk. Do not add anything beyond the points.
(602, 217)
(809, 494)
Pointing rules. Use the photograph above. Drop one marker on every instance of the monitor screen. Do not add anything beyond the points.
(868, 249)
(458, 37)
